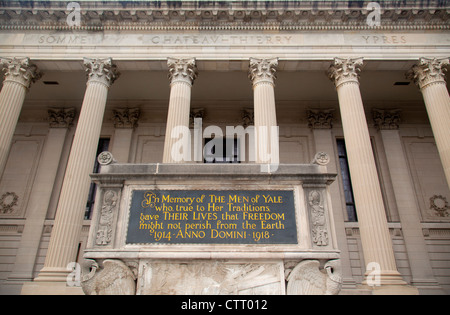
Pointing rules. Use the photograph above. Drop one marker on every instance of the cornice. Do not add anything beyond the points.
(223, 15)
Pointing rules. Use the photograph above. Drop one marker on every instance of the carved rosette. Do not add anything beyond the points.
(386, 119)
(262, 70)
(428, 71)
(60, 117)
(105, 158)
(320, 118)
(126, 117)
(20, 70)
(182, 70)
(321, 158)
(101, 70)
(345, 70)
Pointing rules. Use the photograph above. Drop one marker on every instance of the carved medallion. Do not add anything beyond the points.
(439, 204)
(7, 202)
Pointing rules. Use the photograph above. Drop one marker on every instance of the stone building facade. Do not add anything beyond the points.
(364, 83)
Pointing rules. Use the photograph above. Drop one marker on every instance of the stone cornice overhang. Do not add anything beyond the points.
(224, 15)
(305, 174)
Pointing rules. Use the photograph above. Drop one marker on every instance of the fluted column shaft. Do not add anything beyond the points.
(182, 73)
(429, 75)
(60, 120)
(72, 201)
(375, 237)
(19, 75)
(262, 74)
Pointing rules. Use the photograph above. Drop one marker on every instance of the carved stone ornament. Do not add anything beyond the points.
(114, 277)
(109, 207)
(262, 70)
(428, 71)
(101, 70)
(321, 158)
(319, 229)
(386, 119)
(105, 158)
(345, 70)
(308, 279)
(182, 70)
(60, 117)
(206, 277)
(20, 70)
(196, 113)
(248, 117)
(320, 118)
(7, 202)
(439, 204)
(230, 15)
(126, 117)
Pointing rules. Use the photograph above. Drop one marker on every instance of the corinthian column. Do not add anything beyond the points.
(182, 73)
(262, 74)
(429, 75)
(375, 238)
(63, 246)
(19, 75)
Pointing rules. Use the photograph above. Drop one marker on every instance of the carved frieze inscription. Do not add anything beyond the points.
(214, 39)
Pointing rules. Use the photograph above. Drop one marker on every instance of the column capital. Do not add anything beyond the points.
(428, 71)
(262, 70)
(182, 70)
(20, 70)
(320, 118)
(60, 117)
(101, 70)
(386, 119)
(345, 70)
(126, 117)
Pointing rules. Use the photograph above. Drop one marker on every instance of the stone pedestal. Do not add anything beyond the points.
(63, 245)
(19, 75)
(249, 233)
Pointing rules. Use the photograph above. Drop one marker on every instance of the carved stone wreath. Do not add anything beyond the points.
(439, 204)
(7, 202)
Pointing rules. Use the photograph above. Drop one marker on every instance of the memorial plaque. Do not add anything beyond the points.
(212, 217)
